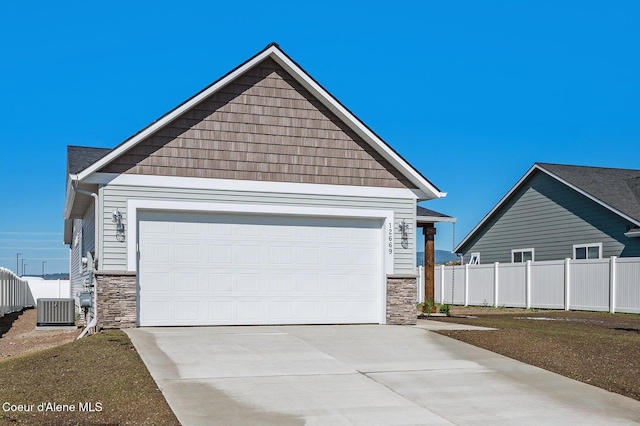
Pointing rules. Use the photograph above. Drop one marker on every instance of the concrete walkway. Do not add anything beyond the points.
(362, 375)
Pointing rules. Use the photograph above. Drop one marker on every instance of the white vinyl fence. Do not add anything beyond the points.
(611, 285)
(14, 292)
(47, 289)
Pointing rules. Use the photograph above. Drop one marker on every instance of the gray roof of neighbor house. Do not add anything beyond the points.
(81, 157)
(616, 189)
(424, 215)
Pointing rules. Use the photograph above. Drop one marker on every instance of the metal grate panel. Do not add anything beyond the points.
(56, 312)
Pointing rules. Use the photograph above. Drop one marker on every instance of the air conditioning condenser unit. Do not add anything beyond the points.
(56, 313)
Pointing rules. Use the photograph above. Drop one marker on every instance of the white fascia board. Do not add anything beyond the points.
(362, 130)
(428, 190)
(250, 186)
(69, 197)
(435, 219)
(134, 206)
(496, 207)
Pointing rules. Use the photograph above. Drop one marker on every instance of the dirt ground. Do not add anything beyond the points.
(597, 348)
(18, 335)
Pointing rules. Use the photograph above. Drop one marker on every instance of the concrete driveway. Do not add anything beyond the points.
(360, 374)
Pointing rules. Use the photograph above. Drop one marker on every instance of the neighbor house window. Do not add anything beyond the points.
(474, 259)
(522, 255)
(587, 251)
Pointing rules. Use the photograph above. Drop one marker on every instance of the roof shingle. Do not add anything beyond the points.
(81, 157)
(617, 188)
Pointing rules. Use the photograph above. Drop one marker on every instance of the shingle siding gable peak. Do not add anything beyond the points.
(547, 169)
(429, 191)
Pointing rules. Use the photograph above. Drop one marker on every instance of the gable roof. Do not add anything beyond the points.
(426, 190)
(618, 190)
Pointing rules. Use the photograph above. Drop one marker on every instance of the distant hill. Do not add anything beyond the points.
(442, 256)
(60, 276)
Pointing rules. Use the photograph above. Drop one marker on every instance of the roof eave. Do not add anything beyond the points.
(435, 219)
(69, 196)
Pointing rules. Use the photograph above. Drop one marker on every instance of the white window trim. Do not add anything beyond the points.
(474, 259)
(586, 246)
(532, 250)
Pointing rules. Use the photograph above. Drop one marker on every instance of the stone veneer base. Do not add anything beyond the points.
(401, 300)
(117, 305)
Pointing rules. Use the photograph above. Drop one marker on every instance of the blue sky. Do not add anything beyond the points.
(470, 93)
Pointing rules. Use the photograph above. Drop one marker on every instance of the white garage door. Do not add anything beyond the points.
(215, 269)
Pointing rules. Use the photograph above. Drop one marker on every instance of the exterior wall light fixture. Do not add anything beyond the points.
(404, 230)
(116, 217)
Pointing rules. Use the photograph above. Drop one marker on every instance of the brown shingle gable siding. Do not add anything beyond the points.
(263, 126)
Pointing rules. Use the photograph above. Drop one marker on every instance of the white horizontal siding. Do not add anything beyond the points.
(114, 253)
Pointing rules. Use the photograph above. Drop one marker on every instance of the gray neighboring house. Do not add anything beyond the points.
(561, 211)
(259, 200)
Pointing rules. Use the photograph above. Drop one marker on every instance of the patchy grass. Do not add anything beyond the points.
(98, 380)
(597, 348)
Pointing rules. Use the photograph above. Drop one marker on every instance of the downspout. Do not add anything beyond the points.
(94, 318)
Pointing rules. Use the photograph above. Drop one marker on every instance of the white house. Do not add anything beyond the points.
(259, 200)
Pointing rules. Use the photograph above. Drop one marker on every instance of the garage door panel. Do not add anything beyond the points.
(248, 255)
(220, 311)
(249, 310)
(186, 253)
(186, 310)
(338, 311)
(280, 255)
(280, 310)
(308, 284)
(221, 283)
(156, 311)
(251, 269)
(186, 228)
(186, 282)
(362, 309)
(220, 254)
(338, 283)
(155, 282)
(249, 282)
(158, 253)
(280, 283)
